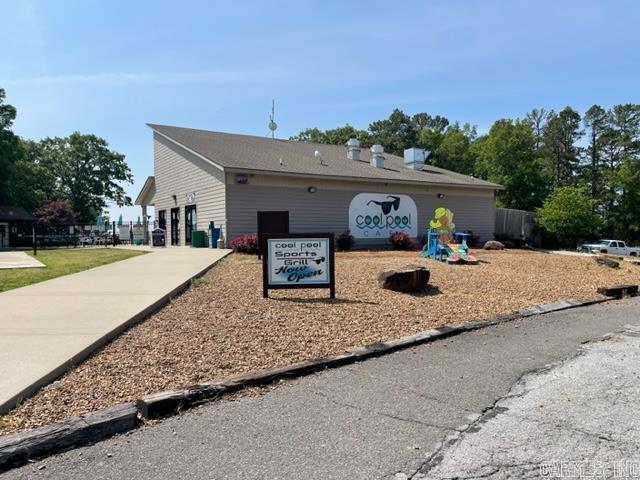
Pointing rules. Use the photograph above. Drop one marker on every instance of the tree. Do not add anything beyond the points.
(596, 120)
(506, 156)
(341, 135)
(425, 121)
(625, 223)
(619, 145)
(10, 150)
(335, 136)
(53, 212)
(313, 135)
(430, 139)
(568, 215)
(394, 133)
(560, 135)
(86, 172)
(32, 182)
(451, 149)
(537, 118)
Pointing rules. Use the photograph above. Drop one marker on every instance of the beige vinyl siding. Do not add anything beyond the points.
(179, 172)
(327, 209)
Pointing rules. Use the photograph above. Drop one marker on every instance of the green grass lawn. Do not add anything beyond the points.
(62, 262)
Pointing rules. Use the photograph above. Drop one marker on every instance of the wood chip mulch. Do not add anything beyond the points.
(222, 326)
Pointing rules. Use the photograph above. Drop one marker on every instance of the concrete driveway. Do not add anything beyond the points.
(47, 327)
(380, 419)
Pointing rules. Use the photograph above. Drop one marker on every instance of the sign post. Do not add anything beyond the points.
(298, 260)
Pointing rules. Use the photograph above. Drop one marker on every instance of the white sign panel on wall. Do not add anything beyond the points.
(378, 215)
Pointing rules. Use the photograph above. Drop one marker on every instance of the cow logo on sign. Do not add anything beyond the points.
(378, 215)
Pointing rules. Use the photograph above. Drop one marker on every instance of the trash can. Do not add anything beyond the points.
(198, 239)
(214, 235)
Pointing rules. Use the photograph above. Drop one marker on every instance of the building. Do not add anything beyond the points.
(202, 176)
(16, 227)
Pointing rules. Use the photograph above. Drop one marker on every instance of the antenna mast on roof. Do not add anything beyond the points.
(272, 124)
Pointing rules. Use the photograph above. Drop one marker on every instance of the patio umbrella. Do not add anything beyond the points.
(120, 220)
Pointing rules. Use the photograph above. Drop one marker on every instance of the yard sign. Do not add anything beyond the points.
(298, 260)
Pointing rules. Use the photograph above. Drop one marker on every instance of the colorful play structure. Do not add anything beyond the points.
(443, 242)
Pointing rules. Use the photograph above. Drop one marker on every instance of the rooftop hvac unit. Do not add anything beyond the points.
(414, 158)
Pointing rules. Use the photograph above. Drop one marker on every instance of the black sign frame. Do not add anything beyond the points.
(296, 236)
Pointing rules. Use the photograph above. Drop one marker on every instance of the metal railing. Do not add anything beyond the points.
(80, 235)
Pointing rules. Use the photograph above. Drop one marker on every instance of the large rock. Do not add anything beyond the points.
(607, 261)
(493, 245)
(410, 278)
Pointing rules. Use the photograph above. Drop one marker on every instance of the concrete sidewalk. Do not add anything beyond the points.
(49, 326)
(10, 260)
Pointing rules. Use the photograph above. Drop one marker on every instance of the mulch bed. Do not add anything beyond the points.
(222, 326)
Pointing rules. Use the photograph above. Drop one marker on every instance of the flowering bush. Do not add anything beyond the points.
(244, 244)
(345, 241)
(401, 241)
(55, 211)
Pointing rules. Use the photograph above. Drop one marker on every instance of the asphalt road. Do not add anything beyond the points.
(380, 419)
(578, 419)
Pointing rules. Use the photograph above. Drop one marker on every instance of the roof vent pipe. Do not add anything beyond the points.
(377, 156)
(353, 149)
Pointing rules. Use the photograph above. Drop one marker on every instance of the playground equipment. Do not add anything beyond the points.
(443, 243)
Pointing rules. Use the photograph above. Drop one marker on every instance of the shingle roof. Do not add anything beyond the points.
(251, 153)
(14, 213)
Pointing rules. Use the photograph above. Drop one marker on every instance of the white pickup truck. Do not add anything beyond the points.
(610, 246)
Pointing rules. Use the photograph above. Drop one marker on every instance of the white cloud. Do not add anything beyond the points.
(111, 79)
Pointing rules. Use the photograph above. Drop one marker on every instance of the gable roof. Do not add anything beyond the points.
(145, 197)
(247, 153)
(14, 213)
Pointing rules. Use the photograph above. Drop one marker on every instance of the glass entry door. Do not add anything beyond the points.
(175, 226)
(190, 223)
(162, 220)
(4, 235)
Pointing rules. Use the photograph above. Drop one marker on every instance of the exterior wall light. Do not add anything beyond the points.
(441, 195)
(175, 199)
(311, 189)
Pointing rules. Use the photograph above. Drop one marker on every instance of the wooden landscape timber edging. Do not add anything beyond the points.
(619, 291)
(18, 448)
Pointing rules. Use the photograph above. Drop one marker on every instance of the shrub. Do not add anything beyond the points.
(55, 212)
(345, 241)
(401, 241)
(567, 214)
(244, 244)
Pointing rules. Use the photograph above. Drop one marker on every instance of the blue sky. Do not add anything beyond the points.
(108, 67)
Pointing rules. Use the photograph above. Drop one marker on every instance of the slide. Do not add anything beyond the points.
(451, 253)
(460, 253)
